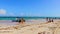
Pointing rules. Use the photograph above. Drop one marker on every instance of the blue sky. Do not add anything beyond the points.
(50, 8)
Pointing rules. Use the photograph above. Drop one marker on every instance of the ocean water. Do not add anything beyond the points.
(26, 18)
(8, 20)
(14, 18)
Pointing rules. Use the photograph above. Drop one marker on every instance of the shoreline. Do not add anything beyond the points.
(31, 28)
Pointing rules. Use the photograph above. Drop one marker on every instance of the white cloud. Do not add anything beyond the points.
(2, 11)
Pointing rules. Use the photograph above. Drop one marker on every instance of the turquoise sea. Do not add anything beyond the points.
(26, 18)
(14, 18)
(7, 20)
(4, 20)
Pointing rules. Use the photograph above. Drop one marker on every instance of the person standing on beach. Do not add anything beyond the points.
(21, 21)
(47, 19)
(52, 20)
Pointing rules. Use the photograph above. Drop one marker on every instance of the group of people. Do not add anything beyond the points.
(49, 19)
(20, 20)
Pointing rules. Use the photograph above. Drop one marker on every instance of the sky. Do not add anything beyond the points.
(49, 8)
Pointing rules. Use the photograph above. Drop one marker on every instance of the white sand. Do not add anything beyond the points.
(47, 28)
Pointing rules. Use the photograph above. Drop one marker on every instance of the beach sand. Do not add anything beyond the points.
(39, 28)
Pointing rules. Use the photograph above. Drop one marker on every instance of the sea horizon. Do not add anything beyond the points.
(14, 18)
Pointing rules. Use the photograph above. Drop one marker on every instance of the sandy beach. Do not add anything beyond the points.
(28, 28)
